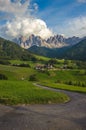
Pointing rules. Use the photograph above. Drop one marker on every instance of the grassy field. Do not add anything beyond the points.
(24, 92)
(16, 73)
(18, 89)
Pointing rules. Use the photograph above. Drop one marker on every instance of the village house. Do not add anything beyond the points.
(43, 67)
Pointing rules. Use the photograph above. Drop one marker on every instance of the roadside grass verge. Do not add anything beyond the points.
(24, 92)
(65, 87)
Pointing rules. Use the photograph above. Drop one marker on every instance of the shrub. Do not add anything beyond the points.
(58, 81)
(4, 62)
(76, 83)
(45, 71)
(3, 77)
(22, 65)
(32, 78)
(52, 61)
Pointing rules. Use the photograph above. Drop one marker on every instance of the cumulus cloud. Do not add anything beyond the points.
(22, 22)
(26, 27)
(74, 27)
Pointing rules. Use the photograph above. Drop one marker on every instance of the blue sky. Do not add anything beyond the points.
(67, 17)
(57, 12)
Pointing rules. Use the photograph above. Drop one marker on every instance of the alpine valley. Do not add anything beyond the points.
(54, 47)
(42, 65)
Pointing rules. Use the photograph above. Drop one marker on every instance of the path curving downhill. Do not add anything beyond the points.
(68, 116)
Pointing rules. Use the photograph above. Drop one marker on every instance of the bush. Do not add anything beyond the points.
(52, 61)
(3, 77)
(76, 83)
(58, 81)
(22, 65)
(45, 72)
(32, 78)
(4, 62)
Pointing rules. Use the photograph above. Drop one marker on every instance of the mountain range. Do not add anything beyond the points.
(57, 41)
(75, 52)
(55, 47)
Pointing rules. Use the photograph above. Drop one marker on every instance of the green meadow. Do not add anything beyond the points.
(24, 92)
(19, 87)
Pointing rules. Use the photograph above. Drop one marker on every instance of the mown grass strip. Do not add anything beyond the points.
(65, 87)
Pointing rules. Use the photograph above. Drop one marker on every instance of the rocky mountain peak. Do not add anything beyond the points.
(56, 41)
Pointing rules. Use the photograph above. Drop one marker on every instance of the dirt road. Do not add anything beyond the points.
(69, 116)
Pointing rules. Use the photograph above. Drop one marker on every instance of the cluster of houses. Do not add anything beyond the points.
(50, 67)
(43, 67)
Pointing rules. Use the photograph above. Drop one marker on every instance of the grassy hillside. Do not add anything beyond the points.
(10, 50)
(77, 52)
(58, 73)
(19, 88)
(52, 53)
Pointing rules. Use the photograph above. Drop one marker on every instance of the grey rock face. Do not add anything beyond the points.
(56, 41)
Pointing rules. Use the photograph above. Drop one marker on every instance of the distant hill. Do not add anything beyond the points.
(48, 52)
(10, 50)
(77, 52)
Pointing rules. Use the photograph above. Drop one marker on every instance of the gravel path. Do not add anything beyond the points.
(68, 116)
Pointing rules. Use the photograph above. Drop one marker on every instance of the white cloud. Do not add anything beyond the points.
(81, 1)
(16, 8)
(22, 22)
(73, 27)
(26, 27)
